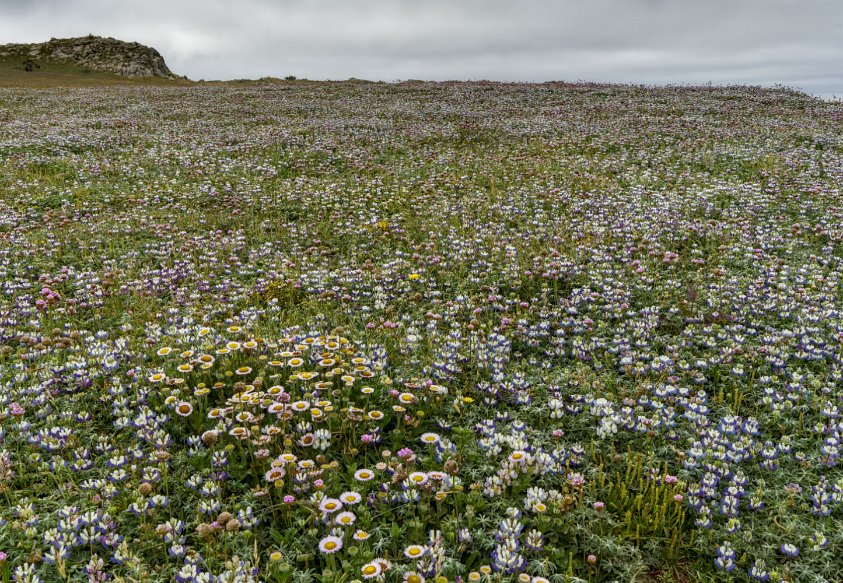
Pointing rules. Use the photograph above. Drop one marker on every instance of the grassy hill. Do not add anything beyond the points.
(81, 62)
(12, 74)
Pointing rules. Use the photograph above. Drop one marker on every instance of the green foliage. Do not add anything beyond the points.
(555, 325)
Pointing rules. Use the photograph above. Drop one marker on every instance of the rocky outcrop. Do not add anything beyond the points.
(96, 53)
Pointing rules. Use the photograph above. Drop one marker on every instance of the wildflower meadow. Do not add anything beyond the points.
(420, 332)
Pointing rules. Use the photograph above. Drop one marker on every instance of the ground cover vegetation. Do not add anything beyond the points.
(420, 332)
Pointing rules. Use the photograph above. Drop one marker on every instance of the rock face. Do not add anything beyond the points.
(97, 53)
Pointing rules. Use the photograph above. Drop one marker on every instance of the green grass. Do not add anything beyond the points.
(53, 74)
(553, 256)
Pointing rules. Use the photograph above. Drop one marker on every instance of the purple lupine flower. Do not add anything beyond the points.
(725, 560)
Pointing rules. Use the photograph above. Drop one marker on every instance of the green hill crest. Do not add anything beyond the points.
(94, 53)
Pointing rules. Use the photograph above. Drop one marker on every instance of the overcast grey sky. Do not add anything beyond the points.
(798, 43)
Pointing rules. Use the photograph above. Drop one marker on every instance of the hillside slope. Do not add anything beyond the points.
(93, 57)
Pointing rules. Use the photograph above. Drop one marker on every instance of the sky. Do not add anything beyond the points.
(796, 43)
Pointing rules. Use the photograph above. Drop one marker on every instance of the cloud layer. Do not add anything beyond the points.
(790, 42)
